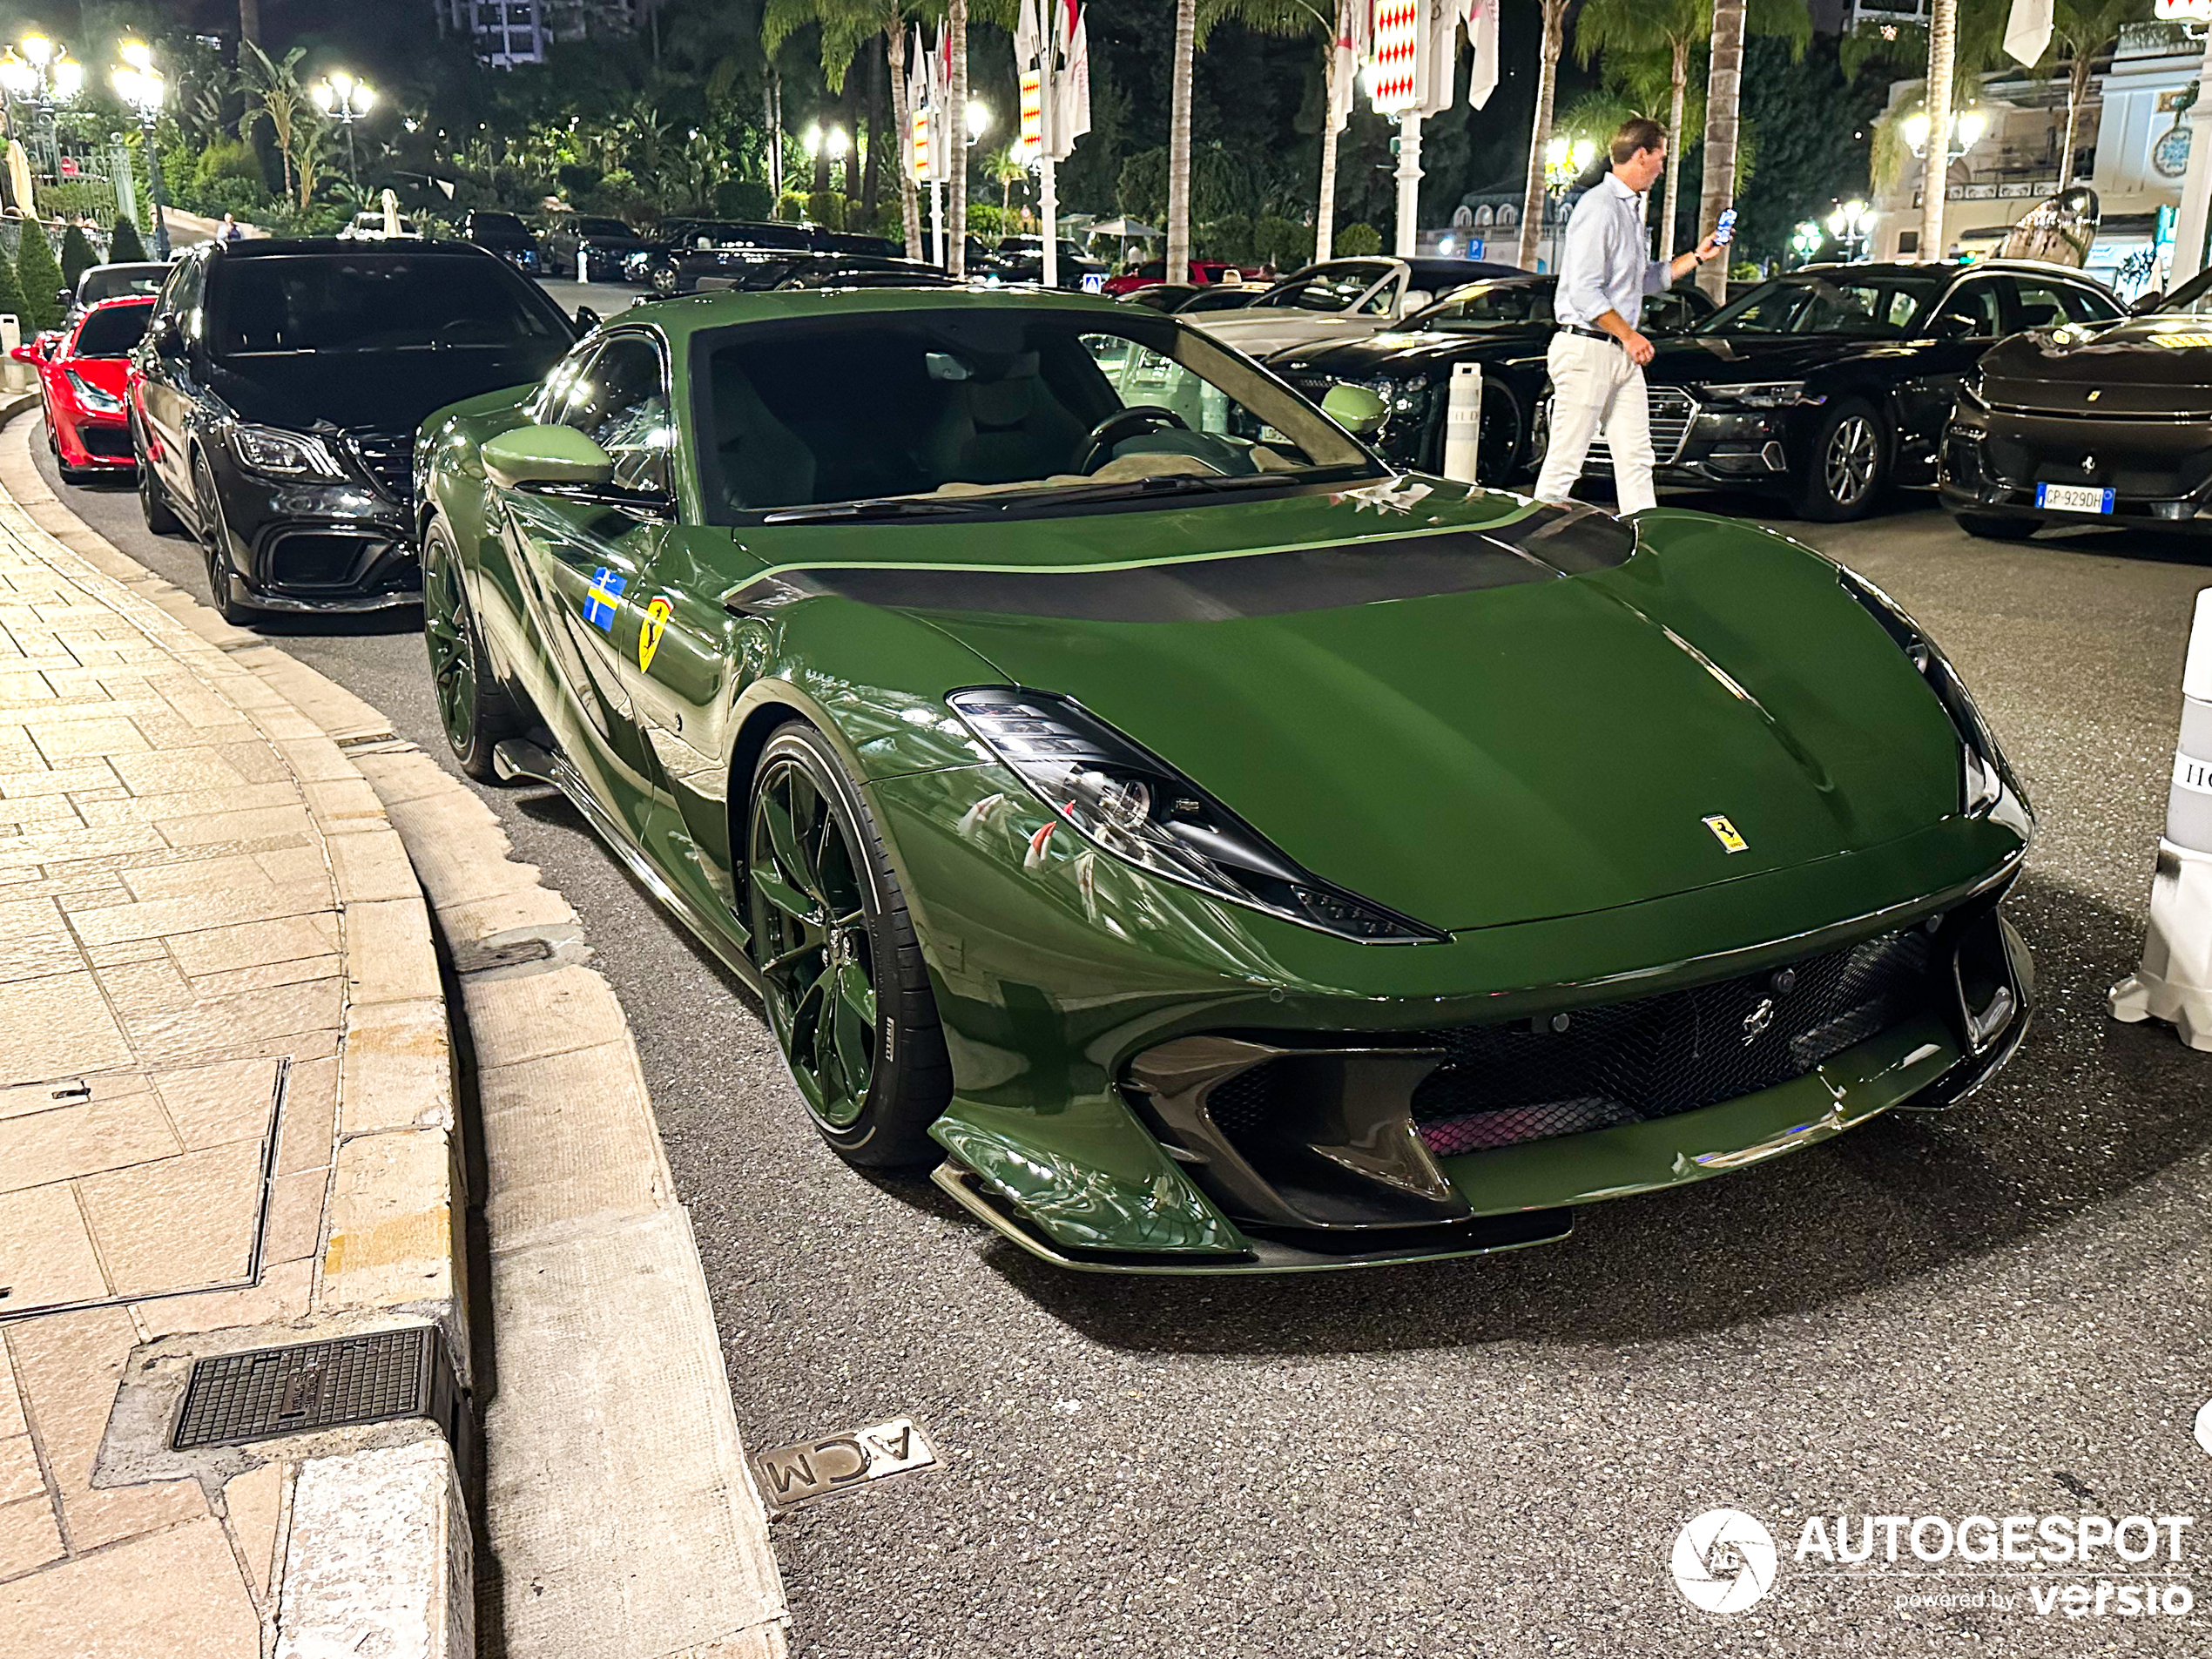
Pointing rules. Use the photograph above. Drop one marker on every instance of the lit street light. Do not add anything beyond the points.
(1806, 241)
(349, 99)
(43, 76)
(1967, 129)
(979, 120)
(1850, 224)
(138, 84)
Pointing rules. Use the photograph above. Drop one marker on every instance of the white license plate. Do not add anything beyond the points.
(2074, 498)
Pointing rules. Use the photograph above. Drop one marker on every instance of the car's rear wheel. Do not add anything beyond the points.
(841, 974)
(1503, 430)
(153, 501)
(215, 545)
(1992, 527)
(664, 280)
(1847, 466)
(473, 707)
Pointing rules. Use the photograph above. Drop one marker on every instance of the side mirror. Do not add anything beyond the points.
(1416, 299)
(546, 454)
(2146, 302)
(25, 354)
(586, 321)
(1355, 409)
(63, 298)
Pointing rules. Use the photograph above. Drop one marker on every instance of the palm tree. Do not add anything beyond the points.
(298, 126)
(1186, 30)
(1723, 84)
(1328, 18)
(844, 26)
(1540, 130)
(1943, 33)
(2083, 30)
(249, 21)
(1677, 27)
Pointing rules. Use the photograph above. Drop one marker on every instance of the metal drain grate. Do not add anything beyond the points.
(261, 1393)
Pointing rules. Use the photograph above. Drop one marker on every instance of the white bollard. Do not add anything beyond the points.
(1463, 424)
(583, 264)
(2174, 982)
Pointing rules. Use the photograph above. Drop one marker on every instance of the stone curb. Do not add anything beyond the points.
(623, 1519)
(390, 1244)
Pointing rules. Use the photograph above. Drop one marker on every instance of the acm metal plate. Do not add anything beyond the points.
(811, 1469)
(262, 1392)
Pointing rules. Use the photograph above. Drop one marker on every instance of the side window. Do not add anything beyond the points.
(2038, 304)
(1140, 374)
(1969, 312)
(180, 295)
(2087, 305)
(621, 403)
(1384, 300)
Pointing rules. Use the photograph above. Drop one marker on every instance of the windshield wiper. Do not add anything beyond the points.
(879, 507)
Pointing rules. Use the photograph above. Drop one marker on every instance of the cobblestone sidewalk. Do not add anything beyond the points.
(202, 909)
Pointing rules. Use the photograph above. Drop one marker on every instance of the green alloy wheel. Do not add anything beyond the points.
(841, 974)
(474, 712)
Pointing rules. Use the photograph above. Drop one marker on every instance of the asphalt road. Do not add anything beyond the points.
(1996, 1312)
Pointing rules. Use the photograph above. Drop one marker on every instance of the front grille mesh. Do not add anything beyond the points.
(1672, 414)
(389, 458)
(1658, 1055)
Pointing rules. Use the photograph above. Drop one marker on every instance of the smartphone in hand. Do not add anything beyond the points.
(1724, 233)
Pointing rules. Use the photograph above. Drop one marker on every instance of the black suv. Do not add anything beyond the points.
(505, 235)
(275, 399)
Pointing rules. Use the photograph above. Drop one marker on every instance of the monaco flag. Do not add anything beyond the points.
(2027, 31)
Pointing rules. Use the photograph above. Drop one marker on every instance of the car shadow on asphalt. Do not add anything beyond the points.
(2089, 1111)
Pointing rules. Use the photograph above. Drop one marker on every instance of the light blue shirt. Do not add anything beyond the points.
(1606, 264)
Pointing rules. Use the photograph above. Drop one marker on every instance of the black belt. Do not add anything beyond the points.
(1592, 334)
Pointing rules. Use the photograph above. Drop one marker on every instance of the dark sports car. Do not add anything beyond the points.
(1504, 325)
(1831, 383)
(2083, 424)
(1216, 850)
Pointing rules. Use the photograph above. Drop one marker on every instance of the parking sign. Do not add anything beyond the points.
(1094, 283)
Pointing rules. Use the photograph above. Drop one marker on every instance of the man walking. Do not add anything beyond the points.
(1597, 357)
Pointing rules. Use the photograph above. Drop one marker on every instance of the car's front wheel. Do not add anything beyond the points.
(847, 994)
(215, 544)
(474, 710)
(153, 501)
(1847, 464)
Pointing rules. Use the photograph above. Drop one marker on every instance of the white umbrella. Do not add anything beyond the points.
(1124, 228)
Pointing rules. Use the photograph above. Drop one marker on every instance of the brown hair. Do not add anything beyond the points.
(1637, 133)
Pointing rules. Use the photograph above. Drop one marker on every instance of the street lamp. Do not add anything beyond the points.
(43, 76)
(349, 99)
(1565, 161)
(979, 120)
(1966, 128)
(1850, 224)
(1805, 241)
(138, 84)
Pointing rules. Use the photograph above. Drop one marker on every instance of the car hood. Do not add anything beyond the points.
(388, 391)
(2149, 366)
(1400, 351)
(1735, 360)
(1466, 706)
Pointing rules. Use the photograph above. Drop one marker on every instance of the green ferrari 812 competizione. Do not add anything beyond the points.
(1216, 850)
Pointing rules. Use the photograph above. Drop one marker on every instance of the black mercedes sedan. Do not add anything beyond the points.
(1505, 326)
(752, 269)
(2082, 424)
(1831, 383)
(274, 401)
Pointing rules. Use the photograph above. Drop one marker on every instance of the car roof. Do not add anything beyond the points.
(116, 301)
(266, 247)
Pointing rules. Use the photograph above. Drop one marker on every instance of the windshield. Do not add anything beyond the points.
(2192, 298)
(935, 409)
(292, 303)
(1328, 287)
(113, 330)
(1491, 306)
(506, 222)
(105, 281)
(602, 227)
(1884, 306)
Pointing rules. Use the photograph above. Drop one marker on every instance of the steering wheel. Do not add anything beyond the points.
(1098, 447)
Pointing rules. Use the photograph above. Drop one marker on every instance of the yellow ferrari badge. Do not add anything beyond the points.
(650, 629)
(2183, 342)
(1723, 832)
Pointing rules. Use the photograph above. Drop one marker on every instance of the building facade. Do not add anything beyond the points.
(507, 32)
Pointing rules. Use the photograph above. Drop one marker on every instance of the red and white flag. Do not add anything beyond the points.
(1071, 76)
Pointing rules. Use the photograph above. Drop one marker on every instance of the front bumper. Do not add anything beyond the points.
(334, 545)
(2159, 471)
(1697, 444)
(89, 443)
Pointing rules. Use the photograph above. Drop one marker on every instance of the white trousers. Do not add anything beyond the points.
(1596, 388)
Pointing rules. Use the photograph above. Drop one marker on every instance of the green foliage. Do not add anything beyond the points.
(1228, 238)
(76, 255)
(124, 247)
(1283, 243)
(986, 220)
(826, 208)
(578, 180)
(225, 160)
(791, 207)
(743, 199)
(1357, 241)
(1744, 271)
(1217, 188)
(41, 278)
(67, 201)
(12, 302)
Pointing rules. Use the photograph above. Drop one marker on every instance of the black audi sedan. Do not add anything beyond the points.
(505, 235)
(2082, 424)
(273, 401)
(1831, 383)
(585, 248)
(1505, 326)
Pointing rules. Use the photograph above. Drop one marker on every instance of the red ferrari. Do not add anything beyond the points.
(81, 373)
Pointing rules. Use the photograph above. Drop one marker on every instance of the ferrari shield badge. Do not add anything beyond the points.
(1725, 833)
(650, 629)
(603, 598)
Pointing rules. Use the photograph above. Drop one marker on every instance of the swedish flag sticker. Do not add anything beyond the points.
(603, 599)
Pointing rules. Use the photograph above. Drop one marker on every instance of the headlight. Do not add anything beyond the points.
(1982, 772)
(92, 397)
(1132, 804)
(1762, 395)
(1399, 397)
(282, 454)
